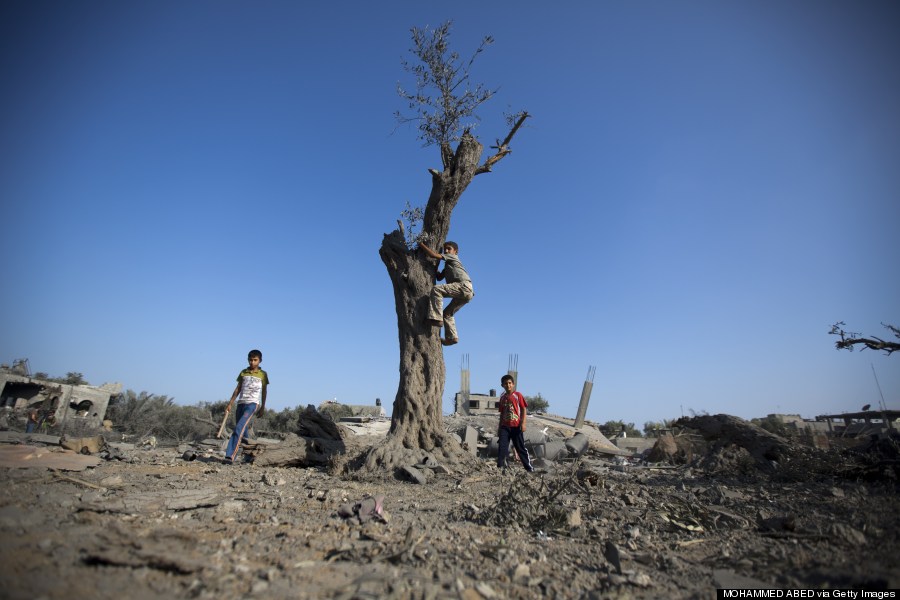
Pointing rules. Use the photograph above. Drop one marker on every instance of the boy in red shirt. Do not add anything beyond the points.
(513, 410)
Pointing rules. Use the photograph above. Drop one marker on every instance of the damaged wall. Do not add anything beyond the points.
(68, 404)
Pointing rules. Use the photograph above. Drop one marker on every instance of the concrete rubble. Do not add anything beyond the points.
(726, 504)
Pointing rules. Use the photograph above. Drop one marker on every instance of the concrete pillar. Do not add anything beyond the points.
(513, 370)
(583, 404)
(585, 397)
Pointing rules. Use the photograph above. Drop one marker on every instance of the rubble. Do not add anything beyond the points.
(729, 507)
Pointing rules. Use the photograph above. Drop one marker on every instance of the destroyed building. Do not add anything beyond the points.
(62, 403)
(339, 409)
(857, 424)
(466, 403)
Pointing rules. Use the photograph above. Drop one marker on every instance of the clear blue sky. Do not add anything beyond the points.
(704, 189)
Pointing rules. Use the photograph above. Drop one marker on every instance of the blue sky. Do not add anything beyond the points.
(704, 188)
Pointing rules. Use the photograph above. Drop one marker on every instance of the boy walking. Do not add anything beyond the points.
(250, 394)
(458, 288)
(513, 410)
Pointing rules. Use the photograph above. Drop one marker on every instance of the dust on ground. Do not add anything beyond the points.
(152, 524)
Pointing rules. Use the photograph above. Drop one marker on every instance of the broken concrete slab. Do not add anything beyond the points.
(17, 437)
(596, 440)
(25, 457)
(470, 440)
(534, 435)
(355, 419)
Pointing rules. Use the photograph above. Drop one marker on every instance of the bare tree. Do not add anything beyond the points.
(443, 106)
(850, 339)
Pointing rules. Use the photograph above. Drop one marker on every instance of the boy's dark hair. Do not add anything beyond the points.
(506, 378)
(254, 354)
(453, 245)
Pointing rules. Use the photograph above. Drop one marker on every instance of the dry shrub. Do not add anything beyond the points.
(336, 411)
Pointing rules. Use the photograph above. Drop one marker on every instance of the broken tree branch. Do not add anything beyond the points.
(502, 147)
(59, 475)
(850, 339)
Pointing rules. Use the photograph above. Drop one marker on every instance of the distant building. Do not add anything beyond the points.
(826, 429)
(860, 423)
(66, 404)
(476, 404)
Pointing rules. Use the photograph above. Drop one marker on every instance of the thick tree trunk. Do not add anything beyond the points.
(416, 426)
(417, 431)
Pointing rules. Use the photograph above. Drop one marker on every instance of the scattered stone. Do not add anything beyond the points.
(413, 474)
(611, 553)
(521, 574)
(367, 509)
(112, 481)
(781, 523)
(272, 479)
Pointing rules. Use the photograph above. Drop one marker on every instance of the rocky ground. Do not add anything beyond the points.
(148, 524)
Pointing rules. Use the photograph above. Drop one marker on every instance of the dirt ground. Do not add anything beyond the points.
(148, 524)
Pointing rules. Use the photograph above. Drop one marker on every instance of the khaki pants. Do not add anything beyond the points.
(460, 294)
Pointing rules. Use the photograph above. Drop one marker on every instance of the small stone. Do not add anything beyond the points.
(521, 574)
(573, 519)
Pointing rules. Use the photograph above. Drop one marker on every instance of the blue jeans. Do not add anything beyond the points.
(242, 415)
(515, 435)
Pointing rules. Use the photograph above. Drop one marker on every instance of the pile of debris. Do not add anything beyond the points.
(550, 440)
(728, 445)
